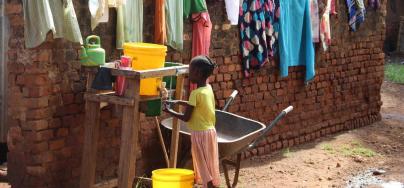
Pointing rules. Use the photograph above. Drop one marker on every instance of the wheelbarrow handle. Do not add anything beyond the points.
(230, 100)
(269, 128)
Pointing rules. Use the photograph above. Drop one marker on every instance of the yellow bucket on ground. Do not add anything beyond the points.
(173, 178)
(146, 56)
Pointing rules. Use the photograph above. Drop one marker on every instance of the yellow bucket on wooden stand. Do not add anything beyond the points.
(146, 56)
(173, 178)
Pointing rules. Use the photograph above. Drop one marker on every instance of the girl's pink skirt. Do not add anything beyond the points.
(205, 157)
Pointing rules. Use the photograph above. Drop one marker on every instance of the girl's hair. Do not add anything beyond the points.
(204, 64)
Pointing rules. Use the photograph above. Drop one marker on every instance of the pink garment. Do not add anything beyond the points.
(333, 7)
(205, 157)
(201, 30)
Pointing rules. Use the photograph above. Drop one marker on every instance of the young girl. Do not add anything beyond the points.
(200, 115)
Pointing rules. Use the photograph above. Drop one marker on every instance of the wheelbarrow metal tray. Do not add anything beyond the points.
(233, 131)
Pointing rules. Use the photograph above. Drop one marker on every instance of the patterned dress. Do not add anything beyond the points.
(259, 25)
(357, 12)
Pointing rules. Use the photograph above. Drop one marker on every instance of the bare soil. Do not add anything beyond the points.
(329, 161)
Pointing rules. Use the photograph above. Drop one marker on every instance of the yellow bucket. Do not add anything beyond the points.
(173, 178)
(146, 56)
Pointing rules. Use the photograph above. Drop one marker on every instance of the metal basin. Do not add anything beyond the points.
(234, 132)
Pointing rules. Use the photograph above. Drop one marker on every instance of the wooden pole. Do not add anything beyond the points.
(163, 146)
(176, 129)
(129, 138)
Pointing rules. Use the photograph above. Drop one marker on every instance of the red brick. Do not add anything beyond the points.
(56, 144)
(40, 147)
(36, 171)
(227, 77)
(33, 92)
(43, 135)
(37, 114)
(62, 132)
(36, 125)
(34, 103)
(68, 98)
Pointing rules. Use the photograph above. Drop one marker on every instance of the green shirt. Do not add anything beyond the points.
(203, 115)
(194, 6)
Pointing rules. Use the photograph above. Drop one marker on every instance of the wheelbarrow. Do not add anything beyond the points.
(235, 134)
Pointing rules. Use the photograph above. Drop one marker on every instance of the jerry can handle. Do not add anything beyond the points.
(97, 39)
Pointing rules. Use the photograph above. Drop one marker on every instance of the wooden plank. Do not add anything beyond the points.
(166, 71)
(176, 130)
(107, 184)
(109, 98)
(130, 133)
(91, 133)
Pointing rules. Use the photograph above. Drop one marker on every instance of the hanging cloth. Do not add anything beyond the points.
(295, 38)
(175, 23)
(325, 28)
(233, 9)
(194, 6)
(99, 12)
(334, 7)
(159, 22)
(272, 26)
(129, 23)
(42, 16)
(257, 23)
(315, 21)
(357, 12)
(116, 3)
(201, 31)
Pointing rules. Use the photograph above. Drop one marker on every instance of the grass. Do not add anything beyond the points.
(354, 148)
(394, 73)
(286, 152)
(328, 148)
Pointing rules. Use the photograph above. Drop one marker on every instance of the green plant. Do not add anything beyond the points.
(394, 73)
(286, 152)
(328, 148)
(355, 148)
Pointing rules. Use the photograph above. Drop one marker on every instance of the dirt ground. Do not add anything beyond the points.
(333, 161)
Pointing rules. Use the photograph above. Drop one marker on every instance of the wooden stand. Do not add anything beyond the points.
(130, 124)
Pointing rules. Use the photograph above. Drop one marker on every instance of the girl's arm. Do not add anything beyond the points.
(186, 116)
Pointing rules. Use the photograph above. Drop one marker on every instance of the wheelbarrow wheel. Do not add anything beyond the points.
(236, 165)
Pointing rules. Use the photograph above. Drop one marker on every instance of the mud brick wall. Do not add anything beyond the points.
(46, 85)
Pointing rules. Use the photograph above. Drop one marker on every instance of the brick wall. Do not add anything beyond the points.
(46, 85)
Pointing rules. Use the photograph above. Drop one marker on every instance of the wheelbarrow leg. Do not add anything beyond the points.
(236, 165)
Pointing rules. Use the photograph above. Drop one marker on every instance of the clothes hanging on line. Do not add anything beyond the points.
(175, 23)
(42, 16)
(129, 27)
(201, 33)
(99, 10)
(325, 28)
(258, 32)
(159, 22)
(315, 20)
(194, 6)
(357, 11)
(233, 9)
(295, 39)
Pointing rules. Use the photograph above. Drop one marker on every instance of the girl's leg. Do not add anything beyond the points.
(205, 156)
